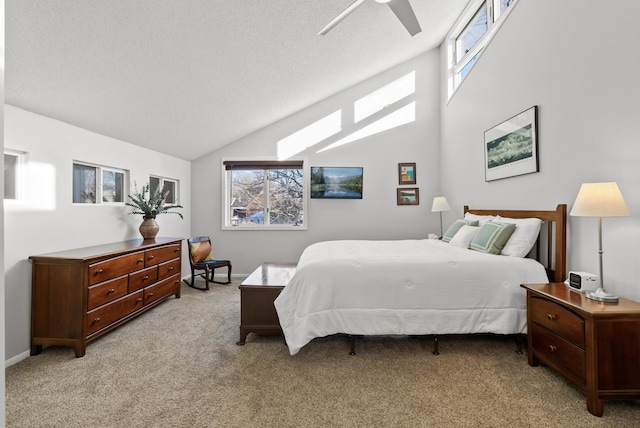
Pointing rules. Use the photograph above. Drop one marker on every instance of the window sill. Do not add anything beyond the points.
(265, 228)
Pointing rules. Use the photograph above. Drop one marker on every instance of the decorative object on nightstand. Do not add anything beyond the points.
(600, 200)
(440, 204)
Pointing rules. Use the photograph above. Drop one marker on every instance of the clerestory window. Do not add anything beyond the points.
(470, 35)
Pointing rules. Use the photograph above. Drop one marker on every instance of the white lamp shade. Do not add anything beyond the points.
(599, 200)
(440, 204)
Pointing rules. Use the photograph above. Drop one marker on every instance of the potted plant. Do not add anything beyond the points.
(150, 204)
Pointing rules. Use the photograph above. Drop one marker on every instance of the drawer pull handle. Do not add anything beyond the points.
(171, 268)
(150, 294)
(176, 250)
(151, 257)
(99, 271)
(96, 320)
(552, 348)
(139, 299)
(145, 277)
(111, 291)
(552, 317)
(140, 260)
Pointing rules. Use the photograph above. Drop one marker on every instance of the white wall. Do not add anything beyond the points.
(377, 215)
(47, 221)
(576, 62)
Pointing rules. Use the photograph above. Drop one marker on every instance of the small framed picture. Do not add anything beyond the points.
(406, 173)
(408, 196)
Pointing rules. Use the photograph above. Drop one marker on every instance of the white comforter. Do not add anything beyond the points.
(403, 287)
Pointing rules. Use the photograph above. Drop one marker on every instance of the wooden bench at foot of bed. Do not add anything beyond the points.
(257, 293)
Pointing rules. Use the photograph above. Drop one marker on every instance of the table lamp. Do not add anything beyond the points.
(600, 200)
(440, 204)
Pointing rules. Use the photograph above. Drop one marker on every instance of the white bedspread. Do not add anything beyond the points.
(403, 287)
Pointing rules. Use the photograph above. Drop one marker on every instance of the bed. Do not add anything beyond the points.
(421, 286)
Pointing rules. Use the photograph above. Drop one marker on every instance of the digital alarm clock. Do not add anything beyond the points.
(582, 281)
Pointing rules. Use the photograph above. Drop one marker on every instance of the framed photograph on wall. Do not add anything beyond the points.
(511, 147)
(408, 196)
(336, 182)
(406, 173)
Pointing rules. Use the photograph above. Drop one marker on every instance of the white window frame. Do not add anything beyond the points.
(99, 184)
(19, 177)
(226, 195)
(455, 66)
(162, 181)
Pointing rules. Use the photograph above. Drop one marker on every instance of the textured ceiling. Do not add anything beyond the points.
(187, 77)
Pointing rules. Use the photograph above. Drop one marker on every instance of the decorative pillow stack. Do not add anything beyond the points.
(201, 252)
(492, 237)
(513, 237)
(455, 227)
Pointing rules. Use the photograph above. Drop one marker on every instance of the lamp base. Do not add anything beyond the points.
(602, 295)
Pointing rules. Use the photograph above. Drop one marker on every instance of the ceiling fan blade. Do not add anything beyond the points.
(405, 14)
(342, 16)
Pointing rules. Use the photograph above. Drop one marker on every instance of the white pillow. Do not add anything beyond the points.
(523, 238)
(464, 236)
(481, 219)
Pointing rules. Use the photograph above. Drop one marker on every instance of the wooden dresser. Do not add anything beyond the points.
(595, 345)
(79, 295)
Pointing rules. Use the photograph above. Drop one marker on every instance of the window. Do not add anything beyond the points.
(167, 185)
(471, 34)
(13, 165)
(94, 184)
(264, 194)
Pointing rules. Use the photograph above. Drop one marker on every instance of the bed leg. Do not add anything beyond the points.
(352, 344)
(519, 344)
(435, 345)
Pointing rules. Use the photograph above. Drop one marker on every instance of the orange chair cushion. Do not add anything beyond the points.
(201, 252)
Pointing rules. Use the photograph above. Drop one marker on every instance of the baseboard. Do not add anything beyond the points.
(15, 360)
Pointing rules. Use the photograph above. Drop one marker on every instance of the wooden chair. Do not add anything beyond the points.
(201, 259)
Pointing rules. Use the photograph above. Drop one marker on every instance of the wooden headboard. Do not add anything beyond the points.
(556, 236)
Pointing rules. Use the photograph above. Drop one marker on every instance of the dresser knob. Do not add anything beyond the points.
(171, 268)
(551, 317)
(111, 291)
(150, 294)
(96, 320)
(140, 260)
(99, 271)
(139, 299)
(552, 348)
(145, 277)
(176, 250)
(151, 257)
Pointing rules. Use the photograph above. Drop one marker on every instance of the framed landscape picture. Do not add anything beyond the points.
(511, 148)
(336, 182)
(407, 173)
(408, 196)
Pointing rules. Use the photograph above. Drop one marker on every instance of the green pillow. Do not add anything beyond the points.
(455, 227)
(492, 236)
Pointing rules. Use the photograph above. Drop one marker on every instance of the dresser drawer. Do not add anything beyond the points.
(143, 278)
(162, 254)
(558, 319)
(165, 270)
(161, 289)
(115, 267)
(107, 291)
(107, 314)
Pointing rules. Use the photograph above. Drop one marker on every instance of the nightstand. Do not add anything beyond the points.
(595, 345)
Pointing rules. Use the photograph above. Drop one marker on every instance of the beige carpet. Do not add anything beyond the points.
(178, 366)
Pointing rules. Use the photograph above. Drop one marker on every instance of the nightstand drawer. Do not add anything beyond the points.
(558, 319)
(553, 349)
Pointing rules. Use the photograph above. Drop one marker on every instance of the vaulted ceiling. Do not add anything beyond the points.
(185, 77)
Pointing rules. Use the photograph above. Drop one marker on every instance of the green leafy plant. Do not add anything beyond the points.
(151, 204)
